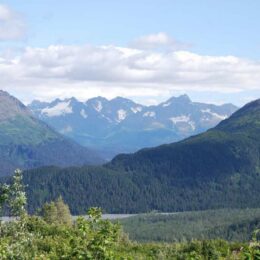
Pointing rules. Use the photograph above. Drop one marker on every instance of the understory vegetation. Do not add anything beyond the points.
(53, 235)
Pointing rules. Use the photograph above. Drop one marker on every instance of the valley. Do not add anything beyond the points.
(223, 162)
(129, 130)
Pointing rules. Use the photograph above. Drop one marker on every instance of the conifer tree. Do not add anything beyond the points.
(57, 212)
(50, 213)
(63, 212)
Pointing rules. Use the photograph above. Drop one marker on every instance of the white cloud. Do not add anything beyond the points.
(12, 25)
(87, 71)
(159, 40)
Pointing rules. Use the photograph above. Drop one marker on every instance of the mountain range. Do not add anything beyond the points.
(26, 142)
(216, 169)
(121, 125)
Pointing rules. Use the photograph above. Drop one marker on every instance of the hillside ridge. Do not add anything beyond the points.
(216, 169)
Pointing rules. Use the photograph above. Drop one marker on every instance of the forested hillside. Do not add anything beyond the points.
(216, 169)
(52, 234)
(228, 224)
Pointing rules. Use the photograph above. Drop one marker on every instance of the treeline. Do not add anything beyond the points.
(129, 192)
(227, 224)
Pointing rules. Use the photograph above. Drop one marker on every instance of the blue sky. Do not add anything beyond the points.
(206, 28)
(211, 27)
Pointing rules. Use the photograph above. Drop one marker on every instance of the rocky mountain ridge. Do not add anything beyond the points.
(121, 125)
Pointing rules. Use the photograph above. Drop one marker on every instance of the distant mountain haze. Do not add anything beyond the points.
(121, 125)
(27, 142)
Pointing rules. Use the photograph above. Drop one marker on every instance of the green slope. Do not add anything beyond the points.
(228, 224)
(25, 130)
(216, 169)
(25, 142)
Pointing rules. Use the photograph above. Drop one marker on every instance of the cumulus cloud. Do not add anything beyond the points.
(85, 71)
(12, 25)
(159, 41)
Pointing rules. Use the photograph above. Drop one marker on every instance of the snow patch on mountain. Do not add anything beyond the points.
(107, 118)
(98, 107)
(121, 115)
(192, 124)
(136, 109)
(83, 113)
(183, 119)
(179, 119)
(166, 104)
(60, 109)
(149, 114)
(208, 111)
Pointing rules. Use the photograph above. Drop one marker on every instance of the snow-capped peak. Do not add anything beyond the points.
(60, 109)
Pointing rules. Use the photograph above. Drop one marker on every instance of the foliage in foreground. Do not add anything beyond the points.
(94, 238)
(45, 237)
(33, 238)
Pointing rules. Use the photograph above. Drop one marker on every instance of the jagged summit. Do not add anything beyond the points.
(122, 125)
(182, 98)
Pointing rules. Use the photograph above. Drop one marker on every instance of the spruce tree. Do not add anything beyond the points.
(63, 212)
(49, 212)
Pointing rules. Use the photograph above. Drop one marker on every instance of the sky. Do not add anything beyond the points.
(144, 50)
